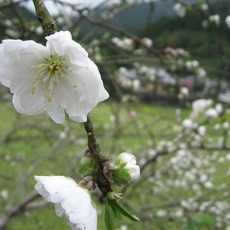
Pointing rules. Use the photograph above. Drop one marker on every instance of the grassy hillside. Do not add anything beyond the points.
(35, 146)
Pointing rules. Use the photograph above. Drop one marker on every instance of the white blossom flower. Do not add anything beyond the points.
(204, 24)
(131, 164)
(8, 22)
(227, 21)
(4, 194)
(70, 200)
(201, 72)
(204, 7)
(228, 156)
(184, 92)
(202, 130)
(38, 30)
(126, 170)
(161, 213)
(62, 135)
(178, 213)
(208, 184)
(217, 126)
(136, 85)
(203, 178)
(187, 124)
(126, 43)
(224, 97)
(215, 19)
(192, 64)
(219, 108)
(147, 42)
(180, 9)
(124, 227)
(211, 113)
(201, 104)
(226, 125)
(58, 77)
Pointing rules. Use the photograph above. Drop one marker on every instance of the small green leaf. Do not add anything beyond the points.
(86, 166)
(109, 216)
(116, 212)
(122, 210)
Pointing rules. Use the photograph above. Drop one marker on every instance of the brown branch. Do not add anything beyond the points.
(10, 4)
(47, 22)
(94, 149)
(121, 31)
(18, 210)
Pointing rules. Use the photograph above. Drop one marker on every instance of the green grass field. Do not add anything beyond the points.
(36, 146)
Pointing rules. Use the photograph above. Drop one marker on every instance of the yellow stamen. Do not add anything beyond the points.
(49, 74)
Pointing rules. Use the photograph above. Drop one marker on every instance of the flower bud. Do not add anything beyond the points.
(127, 170)
(227, 21)
(180, 9)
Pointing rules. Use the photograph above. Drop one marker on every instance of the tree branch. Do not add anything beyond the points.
(94, 149)
(47, 22)
(17, 210)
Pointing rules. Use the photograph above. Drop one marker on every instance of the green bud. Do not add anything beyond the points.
(110, 195)
(86, 166)
(121, 175)
(126, 170)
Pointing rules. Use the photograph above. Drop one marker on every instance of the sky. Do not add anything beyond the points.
(83, 3)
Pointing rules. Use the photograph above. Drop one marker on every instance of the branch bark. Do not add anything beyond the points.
(18, 210)
(47, 22)
(94, 149)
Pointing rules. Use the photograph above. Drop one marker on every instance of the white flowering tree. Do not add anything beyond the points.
(60, 78)
(183, 157)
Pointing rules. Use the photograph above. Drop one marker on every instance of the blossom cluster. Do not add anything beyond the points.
(194, 158)
(128, 44)
(211, 20)
(141, 78)
(180, 61)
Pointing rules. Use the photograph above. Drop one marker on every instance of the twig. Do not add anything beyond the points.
(18, 210)
(47, 22)
(102, 182)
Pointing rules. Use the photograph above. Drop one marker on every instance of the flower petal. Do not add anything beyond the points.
(27, 103)
(102, 93)
(78, 118)
(91, 223)
(79, 101)
(19, 56)
(52, 185)
(70, 200)
(56, 112)
(62, 44)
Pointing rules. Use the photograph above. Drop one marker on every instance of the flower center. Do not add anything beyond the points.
(49, 74)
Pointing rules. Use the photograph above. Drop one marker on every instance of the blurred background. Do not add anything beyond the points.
(166, 67)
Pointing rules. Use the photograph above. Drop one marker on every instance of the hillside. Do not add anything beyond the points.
(137, 16)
